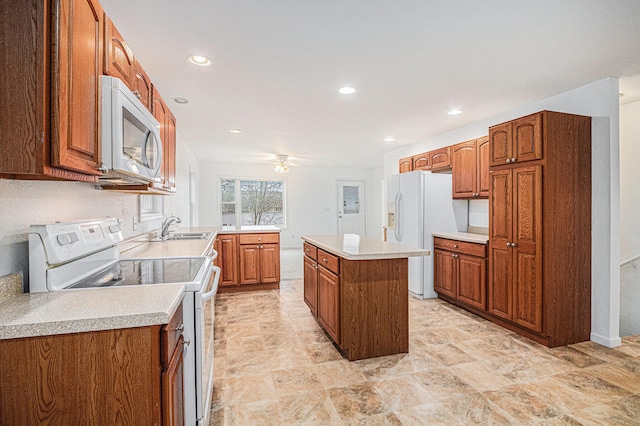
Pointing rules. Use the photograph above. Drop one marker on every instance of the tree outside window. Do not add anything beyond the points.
(252, 202)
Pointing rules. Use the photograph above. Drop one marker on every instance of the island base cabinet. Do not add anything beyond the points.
(363, 305)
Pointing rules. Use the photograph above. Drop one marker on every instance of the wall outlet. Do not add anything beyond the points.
(135, 223)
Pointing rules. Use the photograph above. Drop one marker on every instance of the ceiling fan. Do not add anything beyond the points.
(282, 165)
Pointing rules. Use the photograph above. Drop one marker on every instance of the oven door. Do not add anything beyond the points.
(205, 301)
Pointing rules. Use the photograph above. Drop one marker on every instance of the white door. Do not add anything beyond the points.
(351, 207)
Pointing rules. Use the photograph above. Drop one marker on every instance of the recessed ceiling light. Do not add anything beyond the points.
(203, 61)
(235, 131)
(455, 112)
(347, 90)
(179, 100)
(389, 139)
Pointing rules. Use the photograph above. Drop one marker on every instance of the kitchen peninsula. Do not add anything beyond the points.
(358, 289)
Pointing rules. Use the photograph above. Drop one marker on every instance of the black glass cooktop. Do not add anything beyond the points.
(146, 271)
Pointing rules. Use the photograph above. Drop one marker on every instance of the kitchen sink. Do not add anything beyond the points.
(184, 236)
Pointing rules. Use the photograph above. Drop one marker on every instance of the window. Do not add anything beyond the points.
(252, 202)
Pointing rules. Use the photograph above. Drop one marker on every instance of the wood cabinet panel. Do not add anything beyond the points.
(311, 284)
(228, 255)
(267, 238)
(405, 165)
(500, 301)
(310, 250)
(329, 261)
(173, 388)
(270, 263)
(75, 86)
(472, 281)
(527, 138)
(169, 153)
(142, 85)
(445, 272)
(465, 172)
(249, 264)
(440, 159)
(500, 145)
(104, 377)
(501, 207)
(421, 162)
(483, 167)
(474, 249)
(329, 303)
(118, 57)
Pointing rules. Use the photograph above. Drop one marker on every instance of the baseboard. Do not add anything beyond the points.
(610, 342)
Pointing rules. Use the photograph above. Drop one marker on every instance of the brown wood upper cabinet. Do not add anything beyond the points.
(516, 141)
(540, 244)
(167, 122)
(405, 165)
(118, 57)
(142, 85)
(471, 169)
(49, 121)
(435, 161)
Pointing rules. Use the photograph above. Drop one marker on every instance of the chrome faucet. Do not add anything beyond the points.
(166, 224)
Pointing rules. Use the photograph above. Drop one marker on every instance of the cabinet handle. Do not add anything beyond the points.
(137, 94)
(324, 259)
(186, 342)
(307, 250)
(455, 246)
(508, 244)
(513, 244)
(513, 159)
(178, 328)
(508, 160)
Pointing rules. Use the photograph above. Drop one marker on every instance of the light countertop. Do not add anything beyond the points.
(463, 236)
(77, 311)
(355, 247)
(252, 229)
(142, 247)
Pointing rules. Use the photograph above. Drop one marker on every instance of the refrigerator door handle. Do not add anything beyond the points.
(396, 213)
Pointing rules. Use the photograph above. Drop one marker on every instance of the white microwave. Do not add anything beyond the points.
(131, 145)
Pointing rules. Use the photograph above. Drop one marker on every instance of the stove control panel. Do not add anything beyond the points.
(63, 242)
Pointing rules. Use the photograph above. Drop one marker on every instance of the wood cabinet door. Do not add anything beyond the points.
(440, 159)
(311, 284)
(169, 152)
(160, 111)
(527, 138)
(76, 97)
(329, 302)
(472, 280)
(500, 297)
(142, 85)
(445, 274)
(500, 146)
(118, 57)
(228, 255)
(464, 170)
(405, 164)
(527, 237)
(483, 167)
(249, 264)
(173, 388)
(421, 162)
(270, 263)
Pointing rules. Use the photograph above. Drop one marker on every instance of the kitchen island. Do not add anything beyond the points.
(358, 289)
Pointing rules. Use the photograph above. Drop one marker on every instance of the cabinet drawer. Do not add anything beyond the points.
(473, 249)
(311, 251)
(328, 260)
(170, 336)
(272, 238)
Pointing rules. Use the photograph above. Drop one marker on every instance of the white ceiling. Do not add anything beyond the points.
(277, 66)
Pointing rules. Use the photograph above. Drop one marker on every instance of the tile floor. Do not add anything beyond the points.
(275, 366)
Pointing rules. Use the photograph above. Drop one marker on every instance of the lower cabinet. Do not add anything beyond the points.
(362, 305)
(460, 271)
(123, 376)
(249, 261)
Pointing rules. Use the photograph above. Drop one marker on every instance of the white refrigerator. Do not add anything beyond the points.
(419, 204)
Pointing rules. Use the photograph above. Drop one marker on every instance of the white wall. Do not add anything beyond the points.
(629, 219)
(599, 100)
(311, 199)
(178, 204)
(23, 203)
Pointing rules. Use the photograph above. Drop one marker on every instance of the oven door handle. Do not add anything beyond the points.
(214, 287)
(213, 254)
